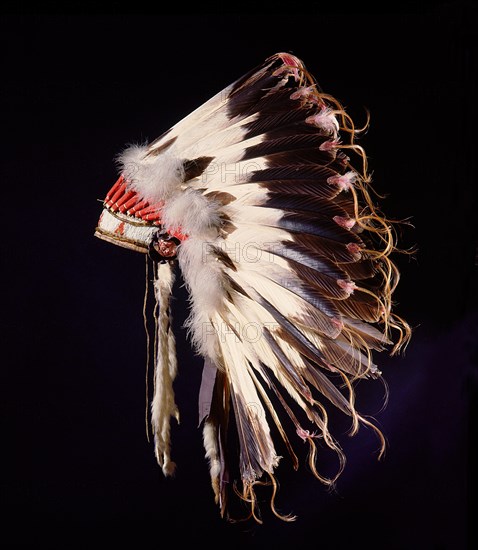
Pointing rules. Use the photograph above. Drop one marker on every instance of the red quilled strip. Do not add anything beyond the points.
(153, 208)
(152, 216)
(120, 202)
(131, 202)
(117, 195)
(142, 204)
(113, 190)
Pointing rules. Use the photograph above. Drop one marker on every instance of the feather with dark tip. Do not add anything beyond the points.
(302, 222)
(195, 167)
(299, 202)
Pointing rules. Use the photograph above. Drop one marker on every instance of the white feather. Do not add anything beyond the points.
(289, 304)
(220, 134)
(247, 193)
(210, 116)
(254, 214)
(227, 144)
(242, 385)
(220, 173)
(258, 350)
(268, 238)
(250, 321)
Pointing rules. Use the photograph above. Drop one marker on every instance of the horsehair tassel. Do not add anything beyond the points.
(165, 368)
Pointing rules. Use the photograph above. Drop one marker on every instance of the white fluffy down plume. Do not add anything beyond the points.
(204, 281)
(154, 178)
(193, 213)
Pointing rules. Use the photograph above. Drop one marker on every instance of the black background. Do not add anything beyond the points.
(78, 468)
